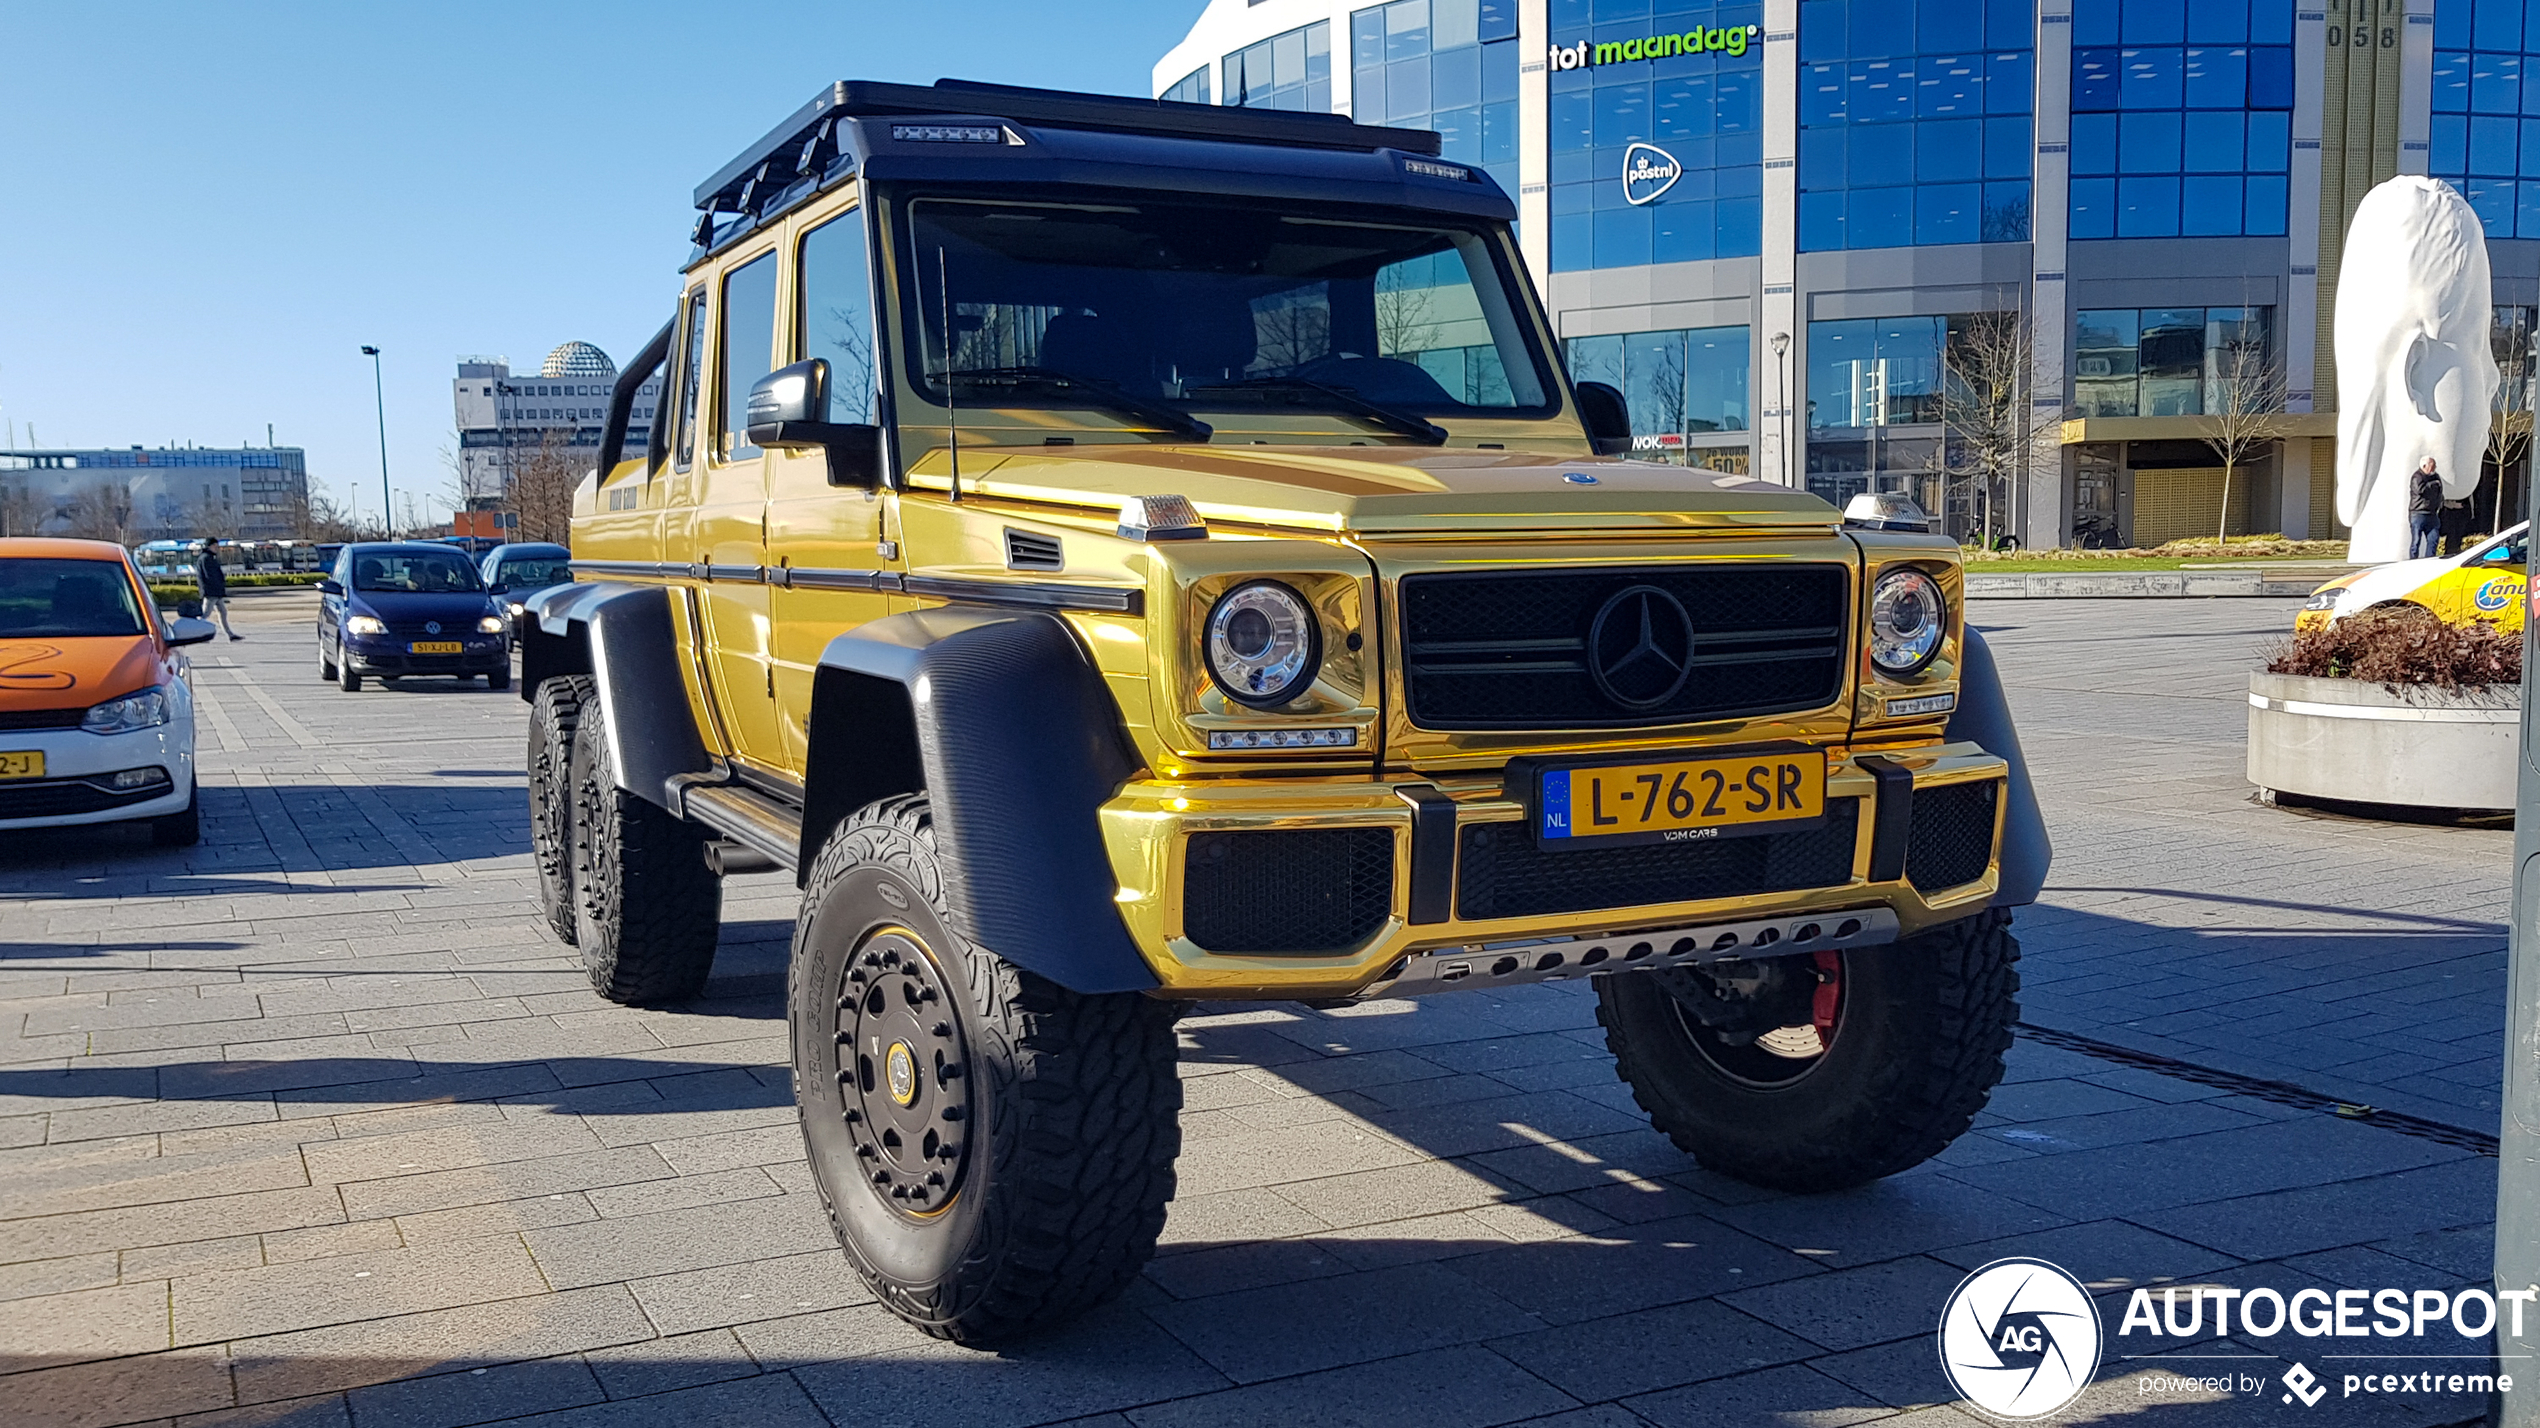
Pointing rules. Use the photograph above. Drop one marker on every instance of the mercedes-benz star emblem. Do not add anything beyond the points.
(1641, 647)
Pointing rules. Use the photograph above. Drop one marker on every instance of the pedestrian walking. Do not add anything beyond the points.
(2425, 510)
(213, 582)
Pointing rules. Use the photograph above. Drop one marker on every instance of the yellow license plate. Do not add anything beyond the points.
(434, 647)
(1679, 800)
(26, 764)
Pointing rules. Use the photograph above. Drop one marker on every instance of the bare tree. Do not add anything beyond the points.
(103, 512)
(1405, 323)
(210, 519)
(1990, 434)
(543, 483)
(2509, 427)
(1289, 331)
(313, 516)
(21, 512)
(2244, 406)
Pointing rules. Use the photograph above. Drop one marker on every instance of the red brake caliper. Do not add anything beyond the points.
(1829, 994)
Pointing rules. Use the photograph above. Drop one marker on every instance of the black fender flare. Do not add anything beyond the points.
(1984, 717)
(1002, 718)
(626, 637)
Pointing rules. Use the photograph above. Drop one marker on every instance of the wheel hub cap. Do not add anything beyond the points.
(903, 1074)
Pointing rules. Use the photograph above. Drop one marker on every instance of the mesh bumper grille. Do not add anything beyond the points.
(1502, 873)
(1952, 838)
(1510, 651)
(1308, 890)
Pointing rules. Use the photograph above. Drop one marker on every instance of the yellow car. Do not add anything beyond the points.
(2483, 583)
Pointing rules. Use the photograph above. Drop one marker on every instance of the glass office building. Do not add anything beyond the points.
(1872, 198)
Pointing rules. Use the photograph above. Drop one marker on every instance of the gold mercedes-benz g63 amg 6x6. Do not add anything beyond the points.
(1121, 554)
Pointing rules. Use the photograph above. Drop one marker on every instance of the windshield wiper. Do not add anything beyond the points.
(1104, 395)
(1400, 423)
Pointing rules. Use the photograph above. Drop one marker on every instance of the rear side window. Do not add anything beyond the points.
(67, 599)
(691, 353)
(749, 341)
(837, 315)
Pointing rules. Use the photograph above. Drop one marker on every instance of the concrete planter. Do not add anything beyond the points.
(2364, 743)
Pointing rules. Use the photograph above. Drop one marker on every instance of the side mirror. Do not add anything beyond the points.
(789, 411)
(1607, 417)
(329, 587)
(187, 630)
(498, 588)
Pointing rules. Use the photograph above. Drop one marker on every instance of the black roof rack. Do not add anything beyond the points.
(804, 144)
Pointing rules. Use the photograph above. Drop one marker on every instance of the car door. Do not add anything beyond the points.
(729, 537)
(331, 607)
(828, 540)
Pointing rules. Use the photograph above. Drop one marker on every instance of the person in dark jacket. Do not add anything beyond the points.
(2425, 510)
(213, 582)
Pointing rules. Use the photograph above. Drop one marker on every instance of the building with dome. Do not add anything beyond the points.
(503, 416)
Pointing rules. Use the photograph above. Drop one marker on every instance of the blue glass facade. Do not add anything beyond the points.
(1678, 383)
(1705, 109)
(1191, 88)
(2182, 117)
(1290, 71)
(1448, 65)
(2486, 129)
(1914, 122)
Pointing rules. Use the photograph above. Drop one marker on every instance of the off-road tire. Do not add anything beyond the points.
(1073, 1104)
(1919, 1046)
(183, 828)
(646, 908)
(553, 716)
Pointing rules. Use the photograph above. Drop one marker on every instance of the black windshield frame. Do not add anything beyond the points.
(914, 286)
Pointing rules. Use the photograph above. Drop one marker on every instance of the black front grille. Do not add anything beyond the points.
(1308, 890)
(1508, 650)
(55, 798)
(41, 718)
(1502, 872)
(1952, 838)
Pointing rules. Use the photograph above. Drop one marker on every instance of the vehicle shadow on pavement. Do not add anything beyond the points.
(572, 1085)
(308, 827)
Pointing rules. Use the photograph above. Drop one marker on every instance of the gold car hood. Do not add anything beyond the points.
(1386, 490)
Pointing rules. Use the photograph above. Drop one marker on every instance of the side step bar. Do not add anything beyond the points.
(1508, 964)
(763, 825)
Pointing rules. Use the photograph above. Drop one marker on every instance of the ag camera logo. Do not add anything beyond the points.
(2019, 1338)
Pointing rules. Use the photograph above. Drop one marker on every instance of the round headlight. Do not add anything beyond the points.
(1907, 621)
(1263, 644)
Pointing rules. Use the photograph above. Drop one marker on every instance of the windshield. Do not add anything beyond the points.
(533, 574)
(67, 599)
(1215, 309)
(414, 573)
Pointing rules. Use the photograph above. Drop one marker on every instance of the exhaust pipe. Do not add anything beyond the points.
(725, 858)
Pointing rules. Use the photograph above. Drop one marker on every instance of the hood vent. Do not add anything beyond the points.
(1030, 550)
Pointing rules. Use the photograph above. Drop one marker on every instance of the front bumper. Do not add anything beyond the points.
(1862, 873)
(389, 655)
(77, 787)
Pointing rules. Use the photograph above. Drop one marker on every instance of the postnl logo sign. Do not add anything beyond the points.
(2498, 593)
(1648, 171)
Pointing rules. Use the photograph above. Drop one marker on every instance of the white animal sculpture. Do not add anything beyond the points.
(2415, 376)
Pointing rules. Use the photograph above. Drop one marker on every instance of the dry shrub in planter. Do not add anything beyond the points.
(2403, 647)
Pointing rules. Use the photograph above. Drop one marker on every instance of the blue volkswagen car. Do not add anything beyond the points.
(394, 609)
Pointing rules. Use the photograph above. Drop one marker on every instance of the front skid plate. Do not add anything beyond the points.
(1506, 964)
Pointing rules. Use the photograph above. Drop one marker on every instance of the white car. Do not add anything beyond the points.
(96, 719)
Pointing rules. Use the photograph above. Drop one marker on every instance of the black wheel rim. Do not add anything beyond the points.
(1787, 1055)
(903, 1074)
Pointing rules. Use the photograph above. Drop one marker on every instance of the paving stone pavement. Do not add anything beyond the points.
(312, 1125)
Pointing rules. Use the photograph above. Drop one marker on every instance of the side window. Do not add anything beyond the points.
(837, 314)
(691, 353)
(749, 341)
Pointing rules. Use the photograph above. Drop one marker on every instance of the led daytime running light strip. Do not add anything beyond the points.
(1282, 738)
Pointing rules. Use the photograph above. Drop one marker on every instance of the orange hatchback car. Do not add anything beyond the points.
(96, 719)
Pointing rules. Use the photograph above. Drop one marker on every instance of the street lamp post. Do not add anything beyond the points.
(1781, 405)
(379, 395)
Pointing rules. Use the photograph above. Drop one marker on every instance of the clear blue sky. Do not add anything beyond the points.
(210, 208)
